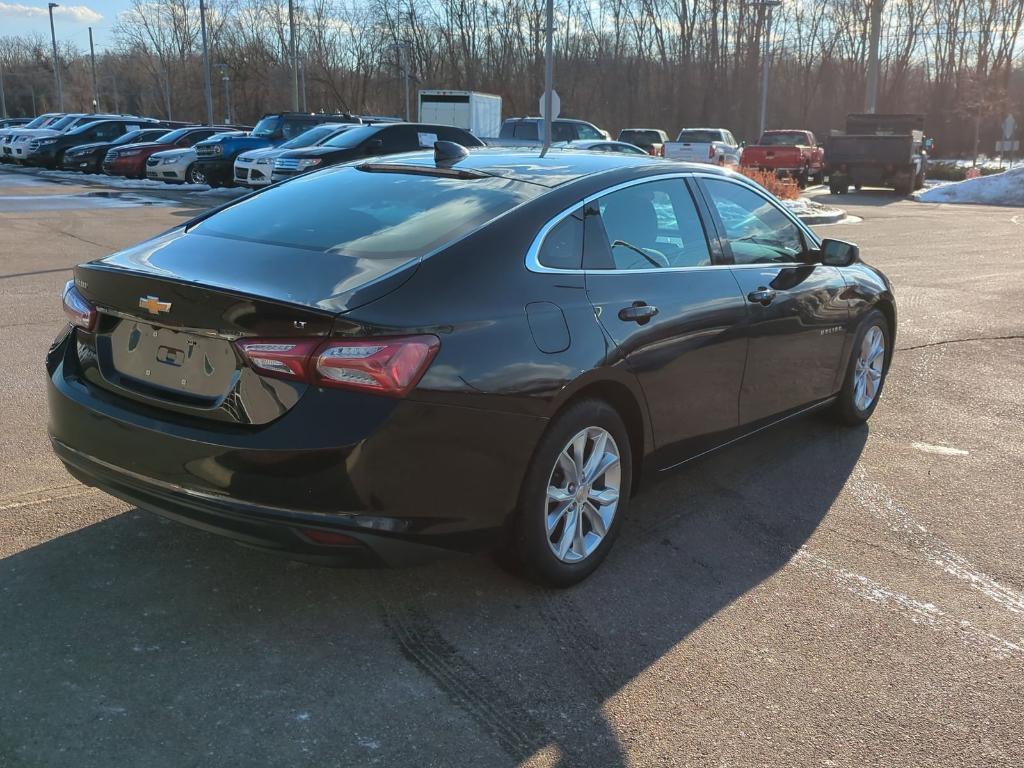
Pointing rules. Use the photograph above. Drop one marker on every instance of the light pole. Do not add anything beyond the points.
(549, 74)
(302, 73)
(207, 88)
(3, 96)
(56, 68)
(92, 60)
(226, 80)
(871, 94)
(768, 7)
(295, 58)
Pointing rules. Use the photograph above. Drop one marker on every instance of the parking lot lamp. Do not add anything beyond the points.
(207, 87)
(56, 68)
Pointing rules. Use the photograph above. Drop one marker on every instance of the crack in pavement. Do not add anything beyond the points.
(1012, 337)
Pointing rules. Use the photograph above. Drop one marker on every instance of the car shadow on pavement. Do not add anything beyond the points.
(136, 641)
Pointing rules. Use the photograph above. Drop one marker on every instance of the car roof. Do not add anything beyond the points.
(556, 167)
(557, 119)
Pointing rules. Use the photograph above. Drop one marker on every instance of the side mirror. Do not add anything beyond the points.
(743, 144)
(838, 253)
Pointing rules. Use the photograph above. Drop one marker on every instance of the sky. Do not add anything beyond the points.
(71, 20)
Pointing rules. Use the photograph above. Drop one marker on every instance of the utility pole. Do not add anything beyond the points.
(3, 96)
(549, 74)
(302, 74)
(294, 55)
(871, 96)
(403, 63)
(207, 87)
(769, 7)
(92, 61)
(56, 66)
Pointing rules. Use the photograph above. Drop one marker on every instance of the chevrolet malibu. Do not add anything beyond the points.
(433, 353)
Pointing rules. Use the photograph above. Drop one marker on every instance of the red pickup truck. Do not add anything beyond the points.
(788, 153)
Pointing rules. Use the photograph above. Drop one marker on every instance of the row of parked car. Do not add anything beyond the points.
(284, 144)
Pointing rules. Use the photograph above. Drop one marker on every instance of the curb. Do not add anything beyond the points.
(828, 218)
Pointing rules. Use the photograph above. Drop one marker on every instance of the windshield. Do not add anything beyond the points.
(786, 139)
(133, 136)
(63, 123)
(350, 212)
(266, 127)
(700, 136)
(353, 137)
(173, 136)
(312, 136)
(38, 122)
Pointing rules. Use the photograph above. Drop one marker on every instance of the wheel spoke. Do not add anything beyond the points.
(558, 494)
(579, 448)
(568, 466)
(603, 497)
(568, 534)
(577, 537)
(589, 469)
(556, 516)
(608, 461)
(597, 524)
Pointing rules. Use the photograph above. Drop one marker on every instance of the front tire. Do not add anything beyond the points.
(866, 370)
(194, 176)
(574, 496)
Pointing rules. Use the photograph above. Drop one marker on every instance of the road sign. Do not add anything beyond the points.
(556, 105)
(1008, 146)
(1009, 127)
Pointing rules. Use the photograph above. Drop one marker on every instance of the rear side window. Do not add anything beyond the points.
(563, 246)
(368, 214)
(562, 131)
(652, 226)
(524, 130)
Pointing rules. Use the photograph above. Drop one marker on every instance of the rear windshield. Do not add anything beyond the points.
(640, 138)
(699, 136)
(368, 215)
(352, 137)
(782, 139)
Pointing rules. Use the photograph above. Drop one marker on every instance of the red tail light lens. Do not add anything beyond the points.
(80, 312)
(388, 366)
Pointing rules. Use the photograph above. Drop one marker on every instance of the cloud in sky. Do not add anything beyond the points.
(81, 14)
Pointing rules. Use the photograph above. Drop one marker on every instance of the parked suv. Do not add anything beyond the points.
(216, 158)
(369, 141)
(130, 160)
(531, 129)
(48, 151)
(8, 133)
(22, 138)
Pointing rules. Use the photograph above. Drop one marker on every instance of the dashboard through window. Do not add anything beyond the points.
(653, 226)
(757, 231)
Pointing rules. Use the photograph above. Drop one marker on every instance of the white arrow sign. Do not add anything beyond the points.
(556, 105)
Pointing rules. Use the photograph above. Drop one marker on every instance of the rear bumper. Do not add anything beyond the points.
(405, 480)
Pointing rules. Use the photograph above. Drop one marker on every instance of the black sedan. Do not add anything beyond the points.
(88, 158)
(368, 141)
(426, 353)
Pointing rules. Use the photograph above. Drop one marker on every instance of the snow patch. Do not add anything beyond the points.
(1006, 188)
(803, 207)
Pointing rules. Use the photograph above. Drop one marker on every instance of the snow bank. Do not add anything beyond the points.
(1006, 188)
(806, 208)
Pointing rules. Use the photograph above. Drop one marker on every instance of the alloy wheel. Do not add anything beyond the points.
(583, 494)
(195, 176)
(867, 373)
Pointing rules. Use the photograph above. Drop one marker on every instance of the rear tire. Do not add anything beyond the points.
(573, 498)
(866, 371)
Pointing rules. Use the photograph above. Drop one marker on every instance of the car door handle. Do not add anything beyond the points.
(763, 296)
(640, 312)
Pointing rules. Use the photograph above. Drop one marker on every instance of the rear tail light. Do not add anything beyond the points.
(80, 312)
(711, 151)
(388, 366)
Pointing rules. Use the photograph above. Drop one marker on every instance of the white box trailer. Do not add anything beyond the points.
(478, 113)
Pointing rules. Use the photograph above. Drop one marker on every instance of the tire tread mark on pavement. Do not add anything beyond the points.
(578, 641)
(516, 731)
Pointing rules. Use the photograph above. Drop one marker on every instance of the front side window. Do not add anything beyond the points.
(652, 226)
(561, 131)
(758, 232)
(293, 128)
(266, 128)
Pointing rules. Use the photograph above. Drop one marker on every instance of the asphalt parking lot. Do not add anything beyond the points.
(812, 596)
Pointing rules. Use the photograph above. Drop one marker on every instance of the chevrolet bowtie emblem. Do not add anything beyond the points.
(153, 305)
